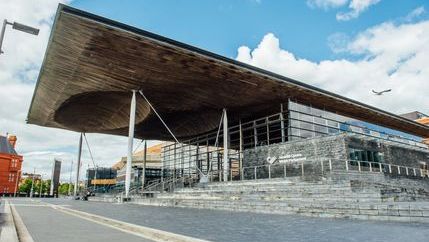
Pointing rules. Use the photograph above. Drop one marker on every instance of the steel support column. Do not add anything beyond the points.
(79, 155)
(241, 151)
(144, 165)
(282, 123)
(225, 146)
(130, 144)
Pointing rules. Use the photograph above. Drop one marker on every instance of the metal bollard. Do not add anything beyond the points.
(347, 165)
(370, 166)
(269, 171)
(390, 168)
(360, 169)
(399, 170)
(406, 169)
(330, 165)
(379, 167)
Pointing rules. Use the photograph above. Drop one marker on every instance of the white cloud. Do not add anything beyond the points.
(394, 56)
(356, 8)
(415, 14)
(338, 42)
(326, 4)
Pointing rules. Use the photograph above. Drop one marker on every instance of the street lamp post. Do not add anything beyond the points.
(41, 185)
(21, 27)
(32, 183)
(17, 182)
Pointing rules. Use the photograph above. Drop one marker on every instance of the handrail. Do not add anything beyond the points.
(332, 165)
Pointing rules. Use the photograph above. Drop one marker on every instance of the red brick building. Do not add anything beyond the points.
(10, 165)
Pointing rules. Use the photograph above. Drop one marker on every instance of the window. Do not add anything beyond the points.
(11, 177)
(365, 155)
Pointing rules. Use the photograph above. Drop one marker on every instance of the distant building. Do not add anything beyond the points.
(414, 115)
(55, 183)
(27, 175)
(10, 165)
(153, 165)
(419, 118)
(100, 178)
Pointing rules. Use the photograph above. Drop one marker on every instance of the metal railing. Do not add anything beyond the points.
(321, 167)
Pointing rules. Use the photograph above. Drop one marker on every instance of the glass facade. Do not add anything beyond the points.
(307, 122)
(365, 155)
(204, 154)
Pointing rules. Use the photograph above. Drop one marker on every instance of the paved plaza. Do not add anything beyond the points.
(44, 223)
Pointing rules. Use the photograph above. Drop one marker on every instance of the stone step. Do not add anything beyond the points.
(405, 212)
(274, 195)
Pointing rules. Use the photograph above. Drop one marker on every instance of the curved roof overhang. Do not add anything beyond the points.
(92, 64)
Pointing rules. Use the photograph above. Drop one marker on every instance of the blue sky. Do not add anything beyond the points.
(221, 26)
(380, 44)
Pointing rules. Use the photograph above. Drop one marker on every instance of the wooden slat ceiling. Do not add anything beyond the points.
(92, 64)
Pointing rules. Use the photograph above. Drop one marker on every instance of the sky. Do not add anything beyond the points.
(349, 47)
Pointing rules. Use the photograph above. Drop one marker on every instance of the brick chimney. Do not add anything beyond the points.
(12, 140)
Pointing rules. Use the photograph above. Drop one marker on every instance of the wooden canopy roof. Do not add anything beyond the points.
(92, 64)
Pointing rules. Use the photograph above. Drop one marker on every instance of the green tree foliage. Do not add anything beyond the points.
(64, 188)
(26, 186)
(45, 185)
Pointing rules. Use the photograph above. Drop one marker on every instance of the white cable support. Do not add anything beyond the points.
(141, 142)
(89, 149)
(218, 130)
(216, 142)
(141, 93)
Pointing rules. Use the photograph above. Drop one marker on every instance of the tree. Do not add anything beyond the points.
(46, 185)
(64, 188)
(26, 186)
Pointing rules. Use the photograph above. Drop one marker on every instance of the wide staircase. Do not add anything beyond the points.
(340, 195)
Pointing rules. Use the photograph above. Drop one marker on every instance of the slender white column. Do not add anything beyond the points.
(76, 182)
(51, 189)
(130, 144)
(144, 165)
(241, 151)
(71, 171)
(225, 146)
(32, 183)
(41, 185)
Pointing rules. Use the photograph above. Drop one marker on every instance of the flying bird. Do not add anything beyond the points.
(381, 93)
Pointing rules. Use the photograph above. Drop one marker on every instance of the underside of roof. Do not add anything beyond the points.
(92, 64)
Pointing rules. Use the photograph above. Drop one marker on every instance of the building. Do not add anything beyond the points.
(225, 119)
(100, 178)
(55, 182)
(419, 118)
(10, 165)
(152, 167)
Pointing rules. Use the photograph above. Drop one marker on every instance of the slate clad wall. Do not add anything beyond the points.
(311, 151)
(393, 154)
(294, 153)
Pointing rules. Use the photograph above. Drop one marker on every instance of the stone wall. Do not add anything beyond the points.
(311, 152)
(393, 153)
(293, 154)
